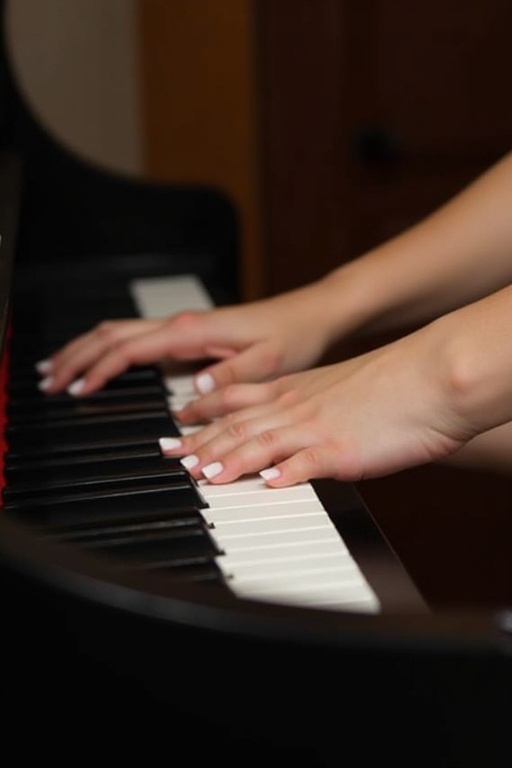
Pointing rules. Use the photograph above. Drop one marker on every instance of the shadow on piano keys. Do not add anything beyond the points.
(153, 653)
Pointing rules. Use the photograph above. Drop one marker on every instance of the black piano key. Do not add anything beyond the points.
(191, 573)
(168, 548)
(97, 491)
(88, 471)
(15, 463)
(25, 454)
(31, 397)
(183, 566)
(143, 504)
(153, 546)
(92, 433)
(24, 377)
(90, 532)
(32, 479)
(76, 422)
(48, 412)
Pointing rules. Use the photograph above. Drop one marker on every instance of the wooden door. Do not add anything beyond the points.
(375, 112)
(199, 119)
(426, 104)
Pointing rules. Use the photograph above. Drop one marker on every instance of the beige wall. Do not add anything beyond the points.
(76, 62)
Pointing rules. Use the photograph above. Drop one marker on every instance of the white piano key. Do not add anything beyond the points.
(300, 567)
(230, 529)
(189, 430)
(163, 296)
(279, 545)
(321, 589)
(265, 541)
(286, 552)
(323, 586)
(365, 602)
(242, 485)
(178, 402)
(262, 512)
(262, 496)
(179, 385)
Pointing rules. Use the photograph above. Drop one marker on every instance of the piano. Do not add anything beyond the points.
(146, 616)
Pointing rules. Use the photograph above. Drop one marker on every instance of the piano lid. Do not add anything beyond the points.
(74, 209)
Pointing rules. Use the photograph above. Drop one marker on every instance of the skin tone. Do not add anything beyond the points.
(440, 393)
(416, 400)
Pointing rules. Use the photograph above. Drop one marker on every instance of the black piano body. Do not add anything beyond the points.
(103, 663)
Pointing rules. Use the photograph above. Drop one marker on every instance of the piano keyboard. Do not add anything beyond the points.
(89, 473)
(277, 544)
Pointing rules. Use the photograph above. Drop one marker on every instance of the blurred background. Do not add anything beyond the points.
(332, 125)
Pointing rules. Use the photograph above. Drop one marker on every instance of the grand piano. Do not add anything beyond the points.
(143, 616)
